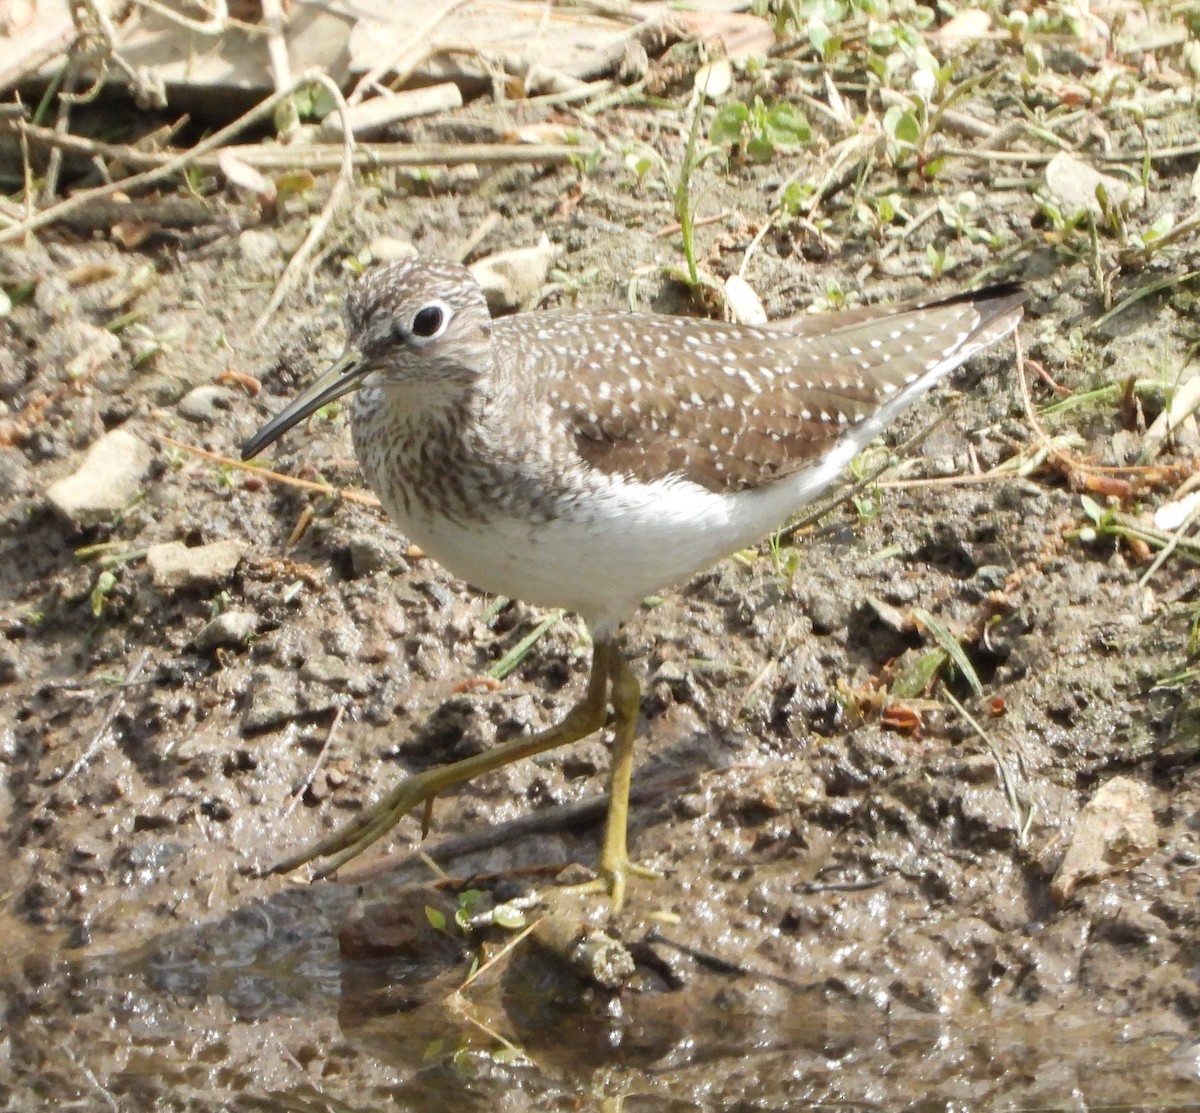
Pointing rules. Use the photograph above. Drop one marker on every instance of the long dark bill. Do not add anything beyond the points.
(344, 376)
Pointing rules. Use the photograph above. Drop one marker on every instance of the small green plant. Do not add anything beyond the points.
(940, 260)
(867, 507)
(785, 560)
(640, 160)
(468, 917)
(759, 130)
(220, 604)
(105, 585)
(587, 161)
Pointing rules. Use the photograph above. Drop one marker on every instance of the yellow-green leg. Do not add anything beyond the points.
(615, 866)
(585, 718)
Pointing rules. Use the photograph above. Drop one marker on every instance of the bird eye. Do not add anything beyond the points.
(428, 321)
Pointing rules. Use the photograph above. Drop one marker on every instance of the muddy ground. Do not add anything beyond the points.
(856, 902)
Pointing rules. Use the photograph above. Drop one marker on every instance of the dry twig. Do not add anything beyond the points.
(341, 185)
(360, 497)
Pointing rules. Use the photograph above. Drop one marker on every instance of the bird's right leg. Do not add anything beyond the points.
(352, 838)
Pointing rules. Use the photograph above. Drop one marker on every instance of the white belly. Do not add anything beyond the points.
(603, 559)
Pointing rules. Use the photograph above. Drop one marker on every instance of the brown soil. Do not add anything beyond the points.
(848, 912)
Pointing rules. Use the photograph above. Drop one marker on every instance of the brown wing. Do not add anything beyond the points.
(732, 407)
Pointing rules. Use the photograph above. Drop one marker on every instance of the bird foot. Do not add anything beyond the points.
(352, 838)
(612, 881)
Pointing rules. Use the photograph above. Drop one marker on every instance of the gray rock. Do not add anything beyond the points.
(259, 248)
(79, 349)
(369, 554)
(327, 670)
(14, 473)
(274, 700)
(105, 483)
(12, 373)
(10, 665)
(205, 404)
(174, 566)
(230, 630)
(991, 577)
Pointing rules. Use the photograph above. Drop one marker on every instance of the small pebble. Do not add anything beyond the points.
(205, 404)
(174, 566)
(105, 483)
(229, 630)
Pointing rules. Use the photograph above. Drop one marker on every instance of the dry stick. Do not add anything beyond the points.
(214, 25)
(147, 86)
(480, 233)
(277, 55)
(1022, 818)
(1169, 547)
(1027, 401)
(502, 953)
(298, 795)
(317, 158)
(164, 169)
(344, 181)
(834, 176)
(360, 497)
(26, 177)
(1159, 154)
(115, 705)
(62, 125)
(555, 819)
(893, 245)
(785, 644)
(410, 57)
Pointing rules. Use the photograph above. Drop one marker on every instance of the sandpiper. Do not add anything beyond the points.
(586, 461)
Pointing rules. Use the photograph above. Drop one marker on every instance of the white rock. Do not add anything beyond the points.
(1171, 515)
(714, 79)
(511, 279)
(229, 630)
(205, 403)
(105, 483)
(1073, 184)
(258, 247)
(391, 249)
(1115, 831)
(743, 303)
(173, 565)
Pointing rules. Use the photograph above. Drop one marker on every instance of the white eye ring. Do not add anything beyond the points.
(429, 322)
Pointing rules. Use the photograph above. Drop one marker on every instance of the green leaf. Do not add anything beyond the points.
(506, 916)
(901, 124)
(918, 676)
(797, 196)
(1159, 228)
(105, 582)
(952, 647)
(818, 34)
(786, 125)
(286, 115)
(292, 182)
(1093, 509)
(468, 901)
(727, 125)
(313, 102)
(436, 918)
(760, 149)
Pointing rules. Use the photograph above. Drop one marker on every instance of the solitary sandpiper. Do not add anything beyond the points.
(588, 460)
